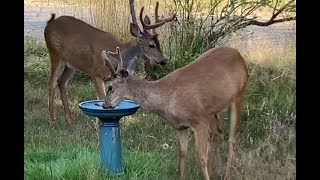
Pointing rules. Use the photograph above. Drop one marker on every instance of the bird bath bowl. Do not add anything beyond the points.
(110, 141)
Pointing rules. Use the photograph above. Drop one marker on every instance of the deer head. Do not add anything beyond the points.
(148, 38)
(116, 89)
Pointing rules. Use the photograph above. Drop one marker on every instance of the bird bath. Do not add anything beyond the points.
(110, 141)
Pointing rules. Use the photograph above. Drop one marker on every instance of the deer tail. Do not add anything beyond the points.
(52, 18)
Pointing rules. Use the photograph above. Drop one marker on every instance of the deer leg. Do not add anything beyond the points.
(234, 123)
(218, 123)
(201, 137)
(56, 69)
(62, 84)
(183, 138)
(213, 142)
(101, 94)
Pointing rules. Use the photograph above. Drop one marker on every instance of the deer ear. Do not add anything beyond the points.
(123, 73)
(111, 55)
(118, 50)
(135, 30)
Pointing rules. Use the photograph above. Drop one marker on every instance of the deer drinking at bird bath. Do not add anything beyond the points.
(189, 98)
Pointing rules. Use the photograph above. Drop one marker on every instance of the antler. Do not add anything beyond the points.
(132, 12)
(107, 62)
(158, 22)
(156, 17)
(117, 56)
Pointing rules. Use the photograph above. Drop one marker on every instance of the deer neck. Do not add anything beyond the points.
(130, 50)
(145, 93)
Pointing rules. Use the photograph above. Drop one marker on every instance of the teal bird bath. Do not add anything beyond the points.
(110, 140)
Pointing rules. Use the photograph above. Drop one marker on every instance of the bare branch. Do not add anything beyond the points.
(233, 16)
(273, 19)
(280, 10)
(249, 10)
(288, 8)
(275, 6)
(259, 23)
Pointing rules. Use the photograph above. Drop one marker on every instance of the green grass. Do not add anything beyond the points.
(75, 161)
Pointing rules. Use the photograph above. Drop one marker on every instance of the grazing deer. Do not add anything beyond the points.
(189, 97)
(75, 45)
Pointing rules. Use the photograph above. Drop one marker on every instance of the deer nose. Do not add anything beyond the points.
(163, 62)
(105, 106)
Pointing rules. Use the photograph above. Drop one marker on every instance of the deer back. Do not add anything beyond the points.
(217, 75)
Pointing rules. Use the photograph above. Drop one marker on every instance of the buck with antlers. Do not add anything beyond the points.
(189, 98)
(75, 45)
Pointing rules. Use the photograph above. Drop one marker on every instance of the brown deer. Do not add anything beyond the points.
(75, 45)
(189, 98)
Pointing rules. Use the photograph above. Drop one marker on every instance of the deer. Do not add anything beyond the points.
(189, 97)
(75, 45)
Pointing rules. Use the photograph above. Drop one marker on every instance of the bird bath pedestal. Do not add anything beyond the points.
(110, 141)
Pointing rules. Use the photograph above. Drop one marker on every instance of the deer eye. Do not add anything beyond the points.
(152, 46)
(110, 88)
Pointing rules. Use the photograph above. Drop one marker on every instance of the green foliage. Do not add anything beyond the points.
(203, 24)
